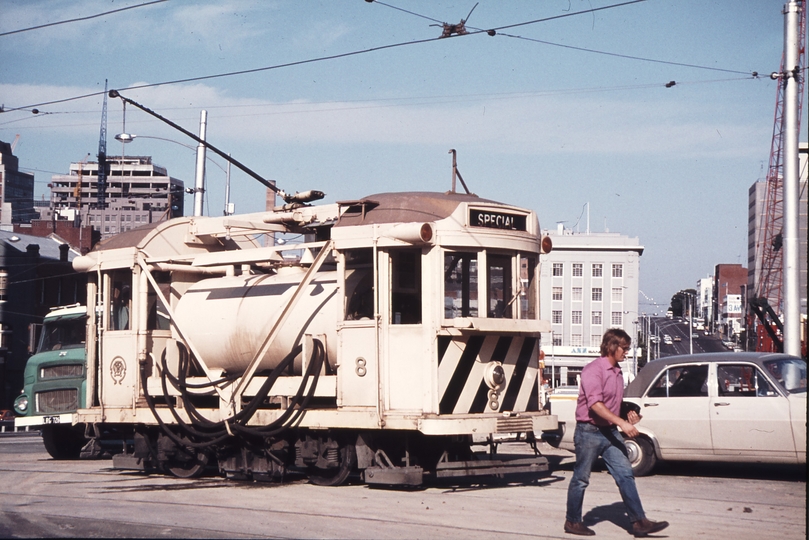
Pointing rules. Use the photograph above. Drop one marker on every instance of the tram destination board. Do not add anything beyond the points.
(496, 220)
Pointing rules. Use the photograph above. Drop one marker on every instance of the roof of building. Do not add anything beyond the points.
(48, 246)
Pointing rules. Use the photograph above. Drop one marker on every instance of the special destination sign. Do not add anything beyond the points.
(496, 220)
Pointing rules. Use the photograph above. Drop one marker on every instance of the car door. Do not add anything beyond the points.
(675, 411)
(749, 415)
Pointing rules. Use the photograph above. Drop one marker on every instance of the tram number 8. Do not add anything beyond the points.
(360, 368)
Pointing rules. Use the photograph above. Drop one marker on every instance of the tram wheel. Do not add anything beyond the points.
(335, 476)
(191, 467)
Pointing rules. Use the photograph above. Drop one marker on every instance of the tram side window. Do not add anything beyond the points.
(405, 287)
(359, 284)
(528, 287)
(460, 285)
(120, 300)
(499, 287)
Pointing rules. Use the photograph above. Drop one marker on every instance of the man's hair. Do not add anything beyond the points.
(614, 338)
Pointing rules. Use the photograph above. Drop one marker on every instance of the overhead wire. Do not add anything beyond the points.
(322, 58)
(77, 19)
(582, 49)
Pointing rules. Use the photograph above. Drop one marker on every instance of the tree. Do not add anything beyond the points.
(680, 302)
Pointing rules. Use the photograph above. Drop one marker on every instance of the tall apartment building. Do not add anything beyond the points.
(16, 191)
(588, 284)
(756, 204)
(138, 192)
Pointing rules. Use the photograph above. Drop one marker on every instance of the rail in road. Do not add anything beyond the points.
(42, 497)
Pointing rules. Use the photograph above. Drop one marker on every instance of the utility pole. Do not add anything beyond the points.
(199, 182)
(791, 75)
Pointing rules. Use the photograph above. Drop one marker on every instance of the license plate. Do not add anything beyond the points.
(50, 420)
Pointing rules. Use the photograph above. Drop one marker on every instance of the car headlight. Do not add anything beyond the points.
(21, 404)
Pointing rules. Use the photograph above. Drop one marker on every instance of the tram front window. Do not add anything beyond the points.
(499, 287)
(460, 285)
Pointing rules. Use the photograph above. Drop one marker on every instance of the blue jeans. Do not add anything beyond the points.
(591, 442)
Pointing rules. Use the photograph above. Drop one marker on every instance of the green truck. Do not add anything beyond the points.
(55, 382)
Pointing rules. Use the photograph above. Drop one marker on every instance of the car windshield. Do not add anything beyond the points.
(789, 372)
(63, 334)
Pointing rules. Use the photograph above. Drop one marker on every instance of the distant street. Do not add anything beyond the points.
(677, 328)
(40, 497)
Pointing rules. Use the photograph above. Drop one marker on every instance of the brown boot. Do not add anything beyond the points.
(644, 527)
(578, 528)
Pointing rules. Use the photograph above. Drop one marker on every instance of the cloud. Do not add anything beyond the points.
(519, 124)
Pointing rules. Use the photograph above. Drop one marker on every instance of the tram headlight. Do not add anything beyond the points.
(546, 245)
(494, 375)
(21, 404)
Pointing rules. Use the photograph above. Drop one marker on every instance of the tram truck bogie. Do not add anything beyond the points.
(403, 325)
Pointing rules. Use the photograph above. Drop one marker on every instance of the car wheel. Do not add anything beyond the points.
(641, 455)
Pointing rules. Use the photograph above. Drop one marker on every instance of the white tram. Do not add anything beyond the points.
(405, 325)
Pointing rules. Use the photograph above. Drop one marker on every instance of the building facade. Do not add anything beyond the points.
(756, 204)
(138, 192)
(588, 284)
(16, 191)
(729, 280)
(704, 299)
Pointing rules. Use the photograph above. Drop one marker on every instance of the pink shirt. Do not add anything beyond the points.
(600, 381)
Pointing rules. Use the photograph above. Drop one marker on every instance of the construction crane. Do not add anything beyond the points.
(102, 154)
(766, 301)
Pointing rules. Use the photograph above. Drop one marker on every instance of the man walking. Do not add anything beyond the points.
(597, 422)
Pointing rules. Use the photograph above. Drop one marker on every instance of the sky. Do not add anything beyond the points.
(569, 105)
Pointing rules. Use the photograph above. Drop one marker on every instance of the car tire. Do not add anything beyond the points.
(641, 455)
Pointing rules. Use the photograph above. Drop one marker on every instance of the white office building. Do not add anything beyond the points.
(588, 284)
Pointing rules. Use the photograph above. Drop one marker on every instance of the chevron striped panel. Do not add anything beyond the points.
(462, 362)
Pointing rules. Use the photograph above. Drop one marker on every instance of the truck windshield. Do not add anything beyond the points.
(62, 334)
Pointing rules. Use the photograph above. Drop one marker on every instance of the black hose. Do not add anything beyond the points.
(212, 433)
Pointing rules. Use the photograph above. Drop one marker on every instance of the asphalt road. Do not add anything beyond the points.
(40, 497)
(679, 329)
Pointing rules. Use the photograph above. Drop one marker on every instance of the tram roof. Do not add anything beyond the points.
(404, 207)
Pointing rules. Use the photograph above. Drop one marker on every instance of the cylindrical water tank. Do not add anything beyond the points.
(228, 318)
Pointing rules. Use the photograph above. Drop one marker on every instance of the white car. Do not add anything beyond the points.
(742, 407)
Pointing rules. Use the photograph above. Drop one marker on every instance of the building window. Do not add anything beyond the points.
(557, 339)
(617, 294)
(557, 316)
(617, 270)
(577, 269)
(595, 340)
(617, 318)
(596, 317)
(558, 269)
(575, 317)
(576, 296)
(557, 293)
(597, 296)
(575, 340)
(597, 270)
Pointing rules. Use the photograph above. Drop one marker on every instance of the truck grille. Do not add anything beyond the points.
(58, 372)
(57, 401)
